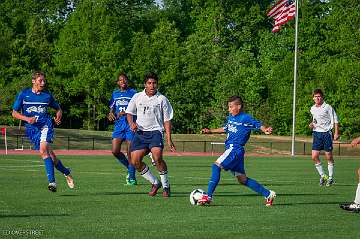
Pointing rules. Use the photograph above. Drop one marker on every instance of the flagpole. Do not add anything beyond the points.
(295, 79)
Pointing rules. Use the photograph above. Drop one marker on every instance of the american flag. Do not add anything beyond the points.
(282, 12)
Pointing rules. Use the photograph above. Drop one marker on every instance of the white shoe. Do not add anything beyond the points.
(354, 207)
(270, 199)
(70, 181)
(52, 187)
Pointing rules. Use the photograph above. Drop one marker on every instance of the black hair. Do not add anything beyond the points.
(236, 99)
(150, 75)
(122, 74)
(318, 91)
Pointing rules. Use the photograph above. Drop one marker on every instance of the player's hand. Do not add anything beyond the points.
(31, 120)
(133, 126)
(268, 130)
(121, 113)
(205, 131)
(311, 125)
(111, 116)
(336, 136)
(355, 141)
(57, 120)
(171, 146)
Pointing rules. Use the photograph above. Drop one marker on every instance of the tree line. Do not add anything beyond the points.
(203, 52)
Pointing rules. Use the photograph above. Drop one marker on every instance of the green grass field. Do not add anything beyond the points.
(101, 206)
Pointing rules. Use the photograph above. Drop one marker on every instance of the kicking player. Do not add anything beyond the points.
(355, 205)
(119, 101)
(31, 106)
(153, 113)
(324, 119)
(238, 128)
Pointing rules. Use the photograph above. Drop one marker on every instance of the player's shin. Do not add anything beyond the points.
(164, 179)
(145, 173)
(122, 159)
(214, 180)
(357, 196)
(257, 187)
(59, 166)
(49, 168)
(131, 172)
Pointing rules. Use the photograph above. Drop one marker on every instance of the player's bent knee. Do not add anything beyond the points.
(242, 179)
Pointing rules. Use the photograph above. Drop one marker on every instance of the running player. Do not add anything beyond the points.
(31, 106)
(238, 128)
(119, 101)
(153, 113)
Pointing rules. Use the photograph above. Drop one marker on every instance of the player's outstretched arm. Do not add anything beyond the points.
(212, 131)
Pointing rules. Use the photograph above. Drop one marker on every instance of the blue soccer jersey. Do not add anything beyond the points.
(119, 102)
(35, 105)
(238, 129)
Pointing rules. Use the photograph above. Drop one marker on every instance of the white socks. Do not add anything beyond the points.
(319, 168)
(145, 173)
(357, 196)
(331, 169)
(164, 179)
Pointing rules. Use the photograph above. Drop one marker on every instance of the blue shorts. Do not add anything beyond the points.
(122, 131)
(322, 141)
(37, 134)
(233, 159)
(146, 140)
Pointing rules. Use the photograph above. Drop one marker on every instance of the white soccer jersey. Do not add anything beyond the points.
(151, 112)
(324, 117)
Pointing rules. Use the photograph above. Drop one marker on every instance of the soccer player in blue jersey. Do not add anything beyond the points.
(31, 106)
(119, 101)
(238, 127)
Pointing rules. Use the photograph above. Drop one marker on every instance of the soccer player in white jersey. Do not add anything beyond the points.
(355, 205)
(153, 113)
(324, 120)
(238, 128)
(31, 106)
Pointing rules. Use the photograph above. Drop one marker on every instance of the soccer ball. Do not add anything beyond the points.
(195, 196)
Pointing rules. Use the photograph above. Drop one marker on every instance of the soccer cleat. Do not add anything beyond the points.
(130, 182)
(154, 189)
(323, 180)
(330, 182)
(70, 181)
(52, 187)
(270, 199)
(204, 200)
(166, 192)
(353, 207)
